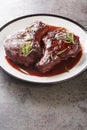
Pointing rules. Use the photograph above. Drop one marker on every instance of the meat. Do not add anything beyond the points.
(23, 47)
(59, 45)
(42, 45)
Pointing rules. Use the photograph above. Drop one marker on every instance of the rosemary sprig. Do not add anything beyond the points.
(26, 49)
(69, 38)
(66, 36)
(62, 51)
(66, 69)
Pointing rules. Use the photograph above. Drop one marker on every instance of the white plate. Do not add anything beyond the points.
(22, 22)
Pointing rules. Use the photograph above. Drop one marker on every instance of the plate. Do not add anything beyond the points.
(22, 22)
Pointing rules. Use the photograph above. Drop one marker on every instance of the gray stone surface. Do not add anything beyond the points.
(28, 106)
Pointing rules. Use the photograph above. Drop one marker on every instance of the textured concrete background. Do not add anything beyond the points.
(28, 106)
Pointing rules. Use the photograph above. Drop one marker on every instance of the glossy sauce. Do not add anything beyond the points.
(58, 69)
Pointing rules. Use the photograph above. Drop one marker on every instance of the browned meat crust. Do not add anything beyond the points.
(24, 47)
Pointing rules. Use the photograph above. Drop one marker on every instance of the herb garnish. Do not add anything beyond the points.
(60, 36)
(69, 38)
(66, 69)
(29, 39)
(62, 51)
(26, 49)
(66, 36)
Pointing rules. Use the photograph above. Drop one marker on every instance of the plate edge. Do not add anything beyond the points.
(41, 14)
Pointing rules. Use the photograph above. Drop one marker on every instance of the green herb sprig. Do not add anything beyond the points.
(66, 69)
(69, 38)
(66, 36)
(26, 49)
(60, 36)
(62, 51)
